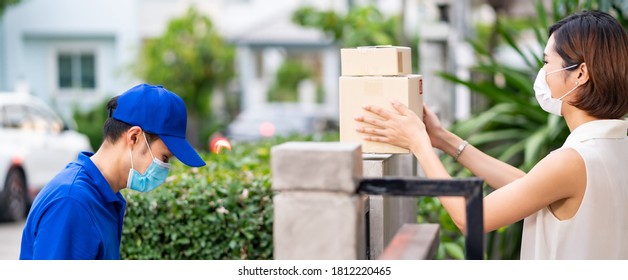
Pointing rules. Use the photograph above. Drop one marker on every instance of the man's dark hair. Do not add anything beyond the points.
(113, 129)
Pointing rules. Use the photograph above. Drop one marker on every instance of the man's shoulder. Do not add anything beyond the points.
(71, 182)
(72, 174)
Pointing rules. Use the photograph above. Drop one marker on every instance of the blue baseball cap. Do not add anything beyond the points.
(159, 111)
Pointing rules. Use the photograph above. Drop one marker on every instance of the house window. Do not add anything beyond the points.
(76, 70)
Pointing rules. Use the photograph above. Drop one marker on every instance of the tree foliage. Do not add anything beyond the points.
(361, 26)
(4, 4)
(288, 77)
(190, 59)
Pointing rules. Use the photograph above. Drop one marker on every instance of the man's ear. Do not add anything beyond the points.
(583, 74)
(133, 136)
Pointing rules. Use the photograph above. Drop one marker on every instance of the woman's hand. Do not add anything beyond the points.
(434, 129)
(402, 128)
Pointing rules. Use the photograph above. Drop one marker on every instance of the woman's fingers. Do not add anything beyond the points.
(398, 126)
(401, 108)
(369, 120)
(398, 106)
(370, 130)
(385, 114)
(378, 133)
(428, 112)
(381, 139)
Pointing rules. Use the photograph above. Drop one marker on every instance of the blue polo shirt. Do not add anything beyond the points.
(75, 216)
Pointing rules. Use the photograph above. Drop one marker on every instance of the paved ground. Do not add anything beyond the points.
(10, 238)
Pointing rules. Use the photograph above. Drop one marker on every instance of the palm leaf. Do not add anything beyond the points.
(534, 146)
(506, 34)
(512, 151)
(490, 90)
(514, 78)
(496, 136)
(542, 17)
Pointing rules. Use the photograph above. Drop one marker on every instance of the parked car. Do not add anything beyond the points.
(35, 144)
(277, 119)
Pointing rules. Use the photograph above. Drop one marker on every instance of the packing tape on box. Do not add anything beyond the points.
(373, 47)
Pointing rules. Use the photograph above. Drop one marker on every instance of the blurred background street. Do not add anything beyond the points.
(10, 238)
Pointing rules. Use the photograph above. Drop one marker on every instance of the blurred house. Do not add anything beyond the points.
(68, 52)
(76, 53)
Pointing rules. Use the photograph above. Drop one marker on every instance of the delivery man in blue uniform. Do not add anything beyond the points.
(79, 214)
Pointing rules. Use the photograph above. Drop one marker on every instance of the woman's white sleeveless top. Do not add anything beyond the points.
(599, 229)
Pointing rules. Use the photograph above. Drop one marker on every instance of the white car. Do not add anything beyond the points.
(35, 144)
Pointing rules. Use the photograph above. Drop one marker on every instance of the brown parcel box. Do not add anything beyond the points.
(375, 61)
(356, 92)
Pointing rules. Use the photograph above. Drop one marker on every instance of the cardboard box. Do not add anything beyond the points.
(376, 61)
(356, 92)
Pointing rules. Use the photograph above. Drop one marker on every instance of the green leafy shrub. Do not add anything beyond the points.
(219, 211)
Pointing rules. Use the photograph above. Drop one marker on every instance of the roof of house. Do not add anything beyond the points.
(279, 30)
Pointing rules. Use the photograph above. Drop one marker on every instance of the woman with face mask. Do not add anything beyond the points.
(575, 200)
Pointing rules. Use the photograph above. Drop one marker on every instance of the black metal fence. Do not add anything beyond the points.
(470, 188)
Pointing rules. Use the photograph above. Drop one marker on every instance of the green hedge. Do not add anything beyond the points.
(219, 211)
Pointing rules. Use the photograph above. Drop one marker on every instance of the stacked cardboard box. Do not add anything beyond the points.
(375, 75)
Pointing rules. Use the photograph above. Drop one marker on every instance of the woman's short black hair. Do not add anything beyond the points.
(598, 40)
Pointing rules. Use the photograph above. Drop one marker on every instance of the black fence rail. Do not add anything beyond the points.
(469, 188)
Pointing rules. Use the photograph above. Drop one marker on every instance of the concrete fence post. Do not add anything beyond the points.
(388, 214)
(317, 213)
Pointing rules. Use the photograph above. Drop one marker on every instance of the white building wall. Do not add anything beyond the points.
(331, 73)
(3, 63)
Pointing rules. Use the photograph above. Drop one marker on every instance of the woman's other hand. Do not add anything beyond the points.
(434, 129)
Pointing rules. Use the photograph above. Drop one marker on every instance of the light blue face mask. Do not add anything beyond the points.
(154, 176)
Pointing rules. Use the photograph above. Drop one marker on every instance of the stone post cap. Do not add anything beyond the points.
(316, 166)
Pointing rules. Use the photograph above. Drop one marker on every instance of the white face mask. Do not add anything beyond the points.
(544, 95)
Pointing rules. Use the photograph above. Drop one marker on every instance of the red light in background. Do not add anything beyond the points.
(16, 160)
(267, 129)
(218, 143)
